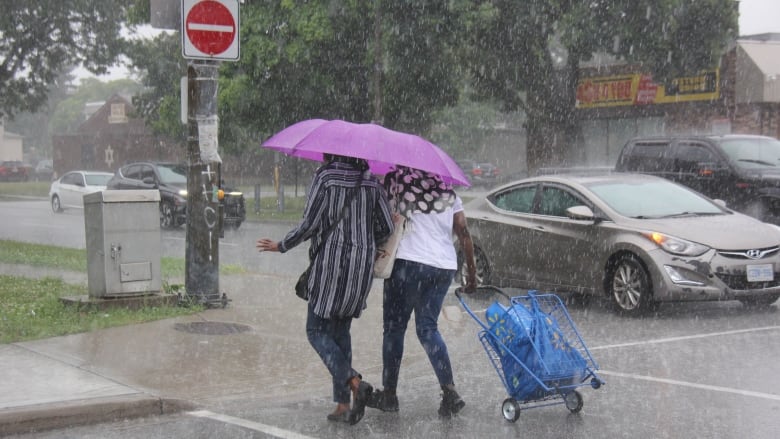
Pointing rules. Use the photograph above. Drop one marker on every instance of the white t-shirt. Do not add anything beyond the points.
(427, 238)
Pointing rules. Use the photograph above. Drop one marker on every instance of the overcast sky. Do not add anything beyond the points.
(759, 16)
(755, 17)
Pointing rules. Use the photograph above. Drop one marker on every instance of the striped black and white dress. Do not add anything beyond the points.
(342, 271)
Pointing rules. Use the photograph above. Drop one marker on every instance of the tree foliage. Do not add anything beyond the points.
(302, 60)
(306, 59)
(162, 65)
(526, 54)
(43, 38)
(421, 66)
(299, 60)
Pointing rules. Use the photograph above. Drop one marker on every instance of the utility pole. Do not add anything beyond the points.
(204, 214)
(209, 30)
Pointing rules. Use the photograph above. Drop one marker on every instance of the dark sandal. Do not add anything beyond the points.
(362, 395)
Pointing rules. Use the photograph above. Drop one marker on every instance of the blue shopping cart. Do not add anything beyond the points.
(536, 349)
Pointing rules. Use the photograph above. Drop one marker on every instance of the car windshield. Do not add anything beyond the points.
(753, 152)
(98, 179)
(652, 199)
(173, 174)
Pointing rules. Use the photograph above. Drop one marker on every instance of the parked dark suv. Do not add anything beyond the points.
(171, 180)
(742, 170)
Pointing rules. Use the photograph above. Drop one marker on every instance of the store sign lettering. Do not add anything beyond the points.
(639, 89)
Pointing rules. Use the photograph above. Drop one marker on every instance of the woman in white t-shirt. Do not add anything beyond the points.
(426, 262)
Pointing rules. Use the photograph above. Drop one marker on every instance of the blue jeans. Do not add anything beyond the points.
(333, 342)
(419, 288)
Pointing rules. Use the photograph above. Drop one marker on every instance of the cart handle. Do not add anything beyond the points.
(487, 288)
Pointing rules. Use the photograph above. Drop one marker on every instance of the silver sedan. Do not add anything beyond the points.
(636, 239)
(68, 191)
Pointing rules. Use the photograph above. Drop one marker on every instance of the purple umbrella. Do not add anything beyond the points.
(381, 147)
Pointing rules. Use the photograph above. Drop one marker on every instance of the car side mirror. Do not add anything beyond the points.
(580, 213)
(148, 180)
(720, 202)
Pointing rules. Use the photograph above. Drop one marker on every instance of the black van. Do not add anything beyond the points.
(742, 170)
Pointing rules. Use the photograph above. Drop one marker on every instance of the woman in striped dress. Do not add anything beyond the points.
(343, 197)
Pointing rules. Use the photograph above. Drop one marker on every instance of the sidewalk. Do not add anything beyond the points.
(256, 347)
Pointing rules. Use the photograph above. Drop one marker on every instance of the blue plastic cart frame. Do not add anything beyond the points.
(555, 382)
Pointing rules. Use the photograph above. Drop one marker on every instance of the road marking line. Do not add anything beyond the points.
(693, 385)
(256, 426)
(685, 337)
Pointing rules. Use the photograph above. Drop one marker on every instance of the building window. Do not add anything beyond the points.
(117, 114)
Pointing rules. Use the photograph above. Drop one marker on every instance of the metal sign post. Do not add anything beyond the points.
(209, 35)
(203, 180)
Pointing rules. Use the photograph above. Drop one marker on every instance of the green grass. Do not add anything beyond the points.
(25, 188)
(31, 310)
(39, 255)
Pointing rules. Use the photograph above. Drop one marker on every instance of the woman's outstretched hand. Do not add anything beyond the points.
(267, 245)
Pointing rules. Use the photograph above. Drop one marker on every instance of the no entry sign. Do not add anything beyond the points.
(210, 29)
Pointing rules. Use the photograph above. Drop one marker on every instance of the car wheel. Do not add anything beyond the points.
(759, 302)
(483, 268)
(56, 206)
(167, 220)
(629, 285)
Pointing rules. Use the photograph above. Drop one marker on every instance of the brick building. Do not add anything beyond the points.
(113, 135)
(109, 138)
(618, 102)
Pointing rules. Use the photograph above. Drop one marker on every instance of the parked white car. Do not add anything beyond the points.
(68, 191)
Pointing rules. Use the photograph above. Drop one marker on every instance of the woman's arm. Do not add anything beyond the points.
(460, 227)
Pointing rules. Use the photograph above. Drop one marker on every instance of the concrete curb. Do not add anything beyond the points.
(21, 420)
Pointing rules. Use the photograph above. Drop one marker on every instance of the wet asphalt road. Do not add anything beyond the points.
(33, 221)
(691, 370)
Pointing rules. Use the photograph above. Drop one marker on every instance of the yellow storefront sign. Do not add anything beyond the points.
(639, 89)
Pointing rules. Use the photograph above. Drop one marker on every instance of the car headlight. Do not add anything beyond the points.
(676, 246)
(183, 192)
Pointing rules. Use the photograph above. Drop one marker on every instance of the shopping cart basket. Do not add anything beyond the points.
(536, 349)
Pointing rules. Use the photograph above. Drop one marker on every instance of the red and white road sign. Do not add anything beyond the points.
(210, 29)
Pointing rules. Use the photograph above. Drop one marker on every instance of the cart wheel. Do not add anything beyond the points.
(510, 409)
(573, 401)
(595, 383)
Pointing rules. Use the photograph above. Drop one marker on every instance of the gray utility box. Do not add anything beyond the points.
(123, 242)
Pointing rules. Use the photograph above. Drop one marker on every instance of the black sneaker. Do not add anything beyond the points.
(451, 403)
(383, 401)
